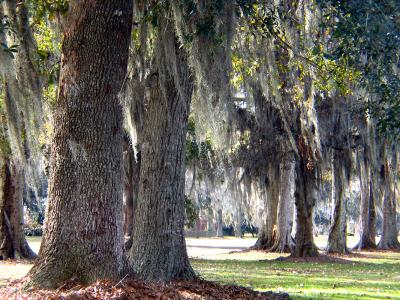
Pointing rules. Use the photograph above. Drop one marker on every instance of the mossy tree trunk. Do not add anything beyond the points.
(284, 241)
(13, 242)
(159, 249)
(367, 213)
(389, 238)
(305, 199)
(338, 229)
(267, 234)
(220, 223)
(83, 236)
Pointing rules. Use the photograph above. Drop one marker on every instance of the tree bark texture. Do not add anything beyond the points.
(159, 249)
(389, 238)
(305, 199)
(367, 214)
(284, 241)
(13, 243)
(267, 236)
(83, 235)
(220, 223)
(338, 229)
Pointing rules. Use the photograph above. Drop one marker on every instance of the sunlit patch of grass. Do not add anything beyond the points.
(34, 242)
(11, 270)
(367, 276)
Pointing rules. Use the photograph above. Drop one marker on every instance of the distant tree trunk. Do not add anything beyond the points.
(220, 224)
(83, 236)
(367, 214)
(12, 238)
(284, 241)
(238, 217)
(305, 200)
(238, 228)
(131, 189)
(159, 249)
(389, 238)
(338, 229)
(210, 223)
(267, 235)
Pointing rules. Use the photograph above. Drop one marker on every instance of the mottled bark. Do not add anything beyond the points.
(338, 229)
(367, 214)
(305, 198)
(12, 238)
(159, 249)
(389, 238)
(220, 223)
(83, 236)
(267, 234)
(284, 241)
(210, 219)
(238, 224)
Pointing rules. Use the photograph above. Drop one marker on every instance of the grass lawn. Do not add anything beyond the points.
(371, 275)
(368, 276)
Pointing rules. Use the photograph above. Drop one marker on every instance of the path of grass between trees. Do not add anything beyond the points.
(364, 276)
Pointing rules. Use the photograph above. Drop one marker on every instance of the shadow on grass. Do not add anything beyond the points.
(359, 278)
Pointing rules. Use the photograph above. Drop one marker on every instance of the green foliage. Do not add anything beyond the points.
(5, 149)
(366, 34)
(261, 18)
(203, 18)
(39, 9)
(332, 73)
(48, 46)
(7, 28)
(197, 150)
(154, 10)
(191, 212)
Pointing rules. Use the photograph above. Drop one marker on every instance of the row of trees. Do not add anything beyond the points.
(274, 91)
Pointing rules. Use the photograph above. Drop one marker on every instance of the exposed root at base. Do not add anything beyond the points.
(137, 289)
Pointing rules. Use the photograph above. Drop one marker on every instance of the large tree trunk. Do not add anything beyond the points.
(389, 238)
(284, 241)
(305, 201)
(367, 214)
(83, 236)
(267, 235)
(159, 249)
(12, 238)
(338, 229)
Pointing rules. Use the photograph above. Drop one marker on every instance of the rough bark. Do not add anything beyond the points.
(367, 214)
(220, 224)
(238, 224)
(159, 249)
(389, 238)
(12, 238)
(338, 229)
(284, 241)
(267, 235)
(305, 201)
(83, 236)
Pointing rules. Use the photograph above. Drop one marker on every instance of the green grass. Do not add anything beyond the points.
(370, 276)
